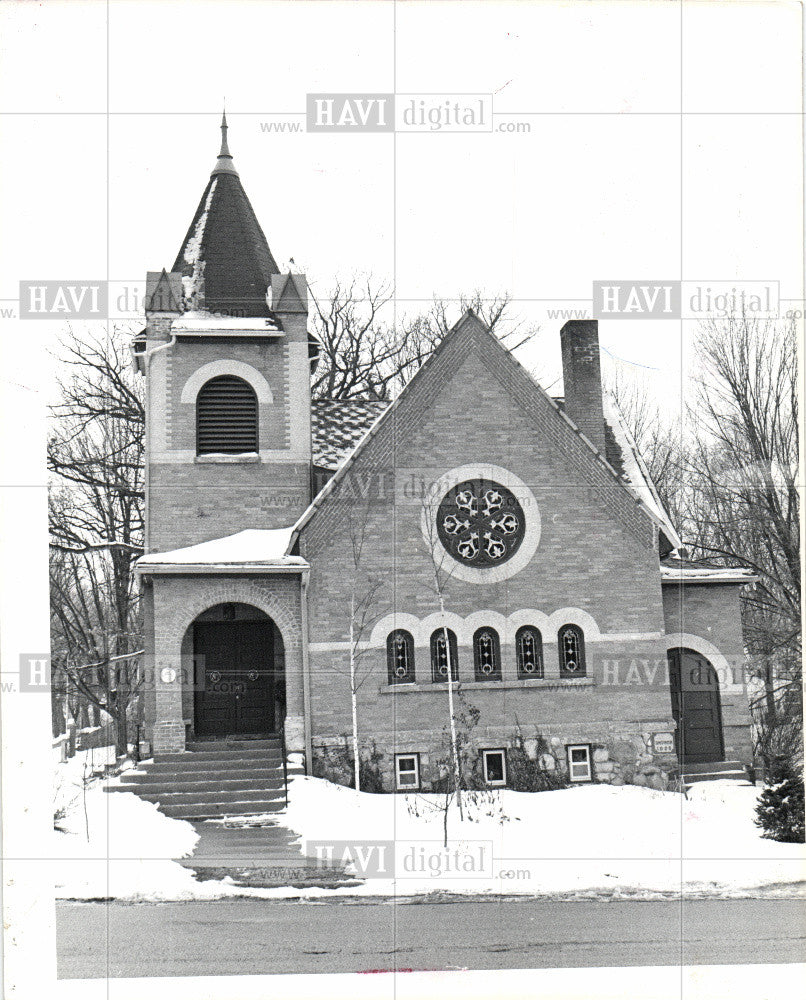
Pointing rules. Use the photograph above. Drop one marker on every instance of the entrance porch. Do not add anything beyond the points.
(227, 658)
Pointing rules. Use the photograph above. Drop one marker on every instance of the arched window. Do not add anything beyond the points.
(400, 657)
(440, 655)
(486, 655)
(226, 417)
(571, 644)
(529, 651)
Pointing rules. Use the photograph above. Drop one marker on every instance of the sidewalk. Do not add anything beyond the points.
(264, 856)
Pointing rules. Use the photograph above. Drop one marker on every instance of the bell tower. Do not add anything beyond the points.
(226, 356)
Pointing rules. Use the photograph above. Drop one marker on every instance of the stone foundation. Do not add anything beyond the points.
(626, 754)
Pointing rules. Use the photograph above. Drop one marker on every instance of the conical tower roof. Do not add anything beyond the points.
(225, 258)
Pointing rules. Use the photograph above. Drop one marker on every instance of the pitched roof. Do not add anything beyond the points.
(623, 454)
(640, 489)
(225, 258)
(338, 425)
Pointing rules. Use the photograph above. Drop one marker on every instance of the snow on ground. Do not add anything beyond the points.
(116, 845)
(589, 840)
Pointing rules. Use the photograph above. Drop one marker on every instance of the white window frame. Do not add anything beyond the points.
(498, 750)
(587, 763)
(416, 772)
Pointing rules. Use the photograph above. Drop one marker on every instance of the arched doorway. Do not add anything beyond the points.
(696, 707)
(239, 671)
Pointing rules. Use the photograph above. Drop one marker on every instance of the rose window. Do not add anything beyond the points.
(480, 523)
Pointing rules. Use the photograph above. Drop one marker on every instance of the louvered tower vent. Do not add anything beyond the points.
(226, 417)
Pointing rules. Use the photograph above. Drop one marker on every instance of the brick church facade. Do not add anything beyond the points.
(474, 525)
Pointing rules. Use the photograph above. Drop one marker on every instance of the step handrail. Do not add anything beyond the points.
(285, 765)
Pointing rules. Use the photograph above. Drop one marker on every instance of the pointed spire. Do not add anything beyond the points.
(224, 164)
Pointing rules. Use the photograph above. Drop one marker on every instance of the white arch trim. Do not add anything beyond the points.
(506, 625)
(727, 675)
(223, 367)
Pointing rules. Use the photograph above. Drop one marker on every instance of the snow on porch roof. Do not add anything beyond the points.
(254, 550)
(706, 574)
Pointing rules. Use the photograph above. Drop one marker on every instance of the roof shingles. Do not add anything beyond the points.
(337, 425)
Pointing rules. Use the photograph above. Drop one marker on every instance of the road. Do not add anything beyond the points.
(247, 936)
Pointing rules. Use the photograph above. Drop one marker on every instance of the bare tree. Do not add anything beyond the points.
(441, 573)
(364, 613)
(743, 474)
(727, 471)
(658, 436)
(367, 352)
(95, 455)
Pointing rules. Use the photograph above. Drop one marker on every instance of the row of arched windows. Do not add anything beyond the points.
(486, 654)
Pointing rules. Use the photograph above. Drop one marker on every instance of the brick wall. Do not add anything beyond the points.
(177, 602)
(192, 500)
(193, 503)
(595, 555)
(269, 357)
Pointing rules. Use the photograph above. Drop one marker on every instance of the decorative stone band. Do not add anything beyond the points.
(505, 625)
(536, 682)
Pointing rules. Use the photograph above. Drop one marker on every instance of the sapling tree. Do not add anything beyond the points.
(363, 610)
(441, 572)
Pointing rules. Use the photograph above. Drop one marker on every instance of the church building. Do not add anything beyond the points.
(476, 527)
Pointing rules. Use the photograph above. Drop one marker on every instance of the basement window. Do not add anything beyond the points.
(579, 763)
(407, 772)
(494, 767)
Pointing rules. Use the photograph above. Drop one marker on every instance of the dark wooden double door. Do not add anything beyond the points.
(696, 707)
(235, 678)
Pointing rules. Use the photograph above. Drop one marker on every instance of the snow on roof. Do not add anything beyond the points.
(255, 549)
(192, 249)
(199, 323)
(636, 473)
(706, 574)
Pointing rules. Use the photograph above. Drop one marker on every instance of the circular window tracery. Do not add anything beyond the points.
(480, 523)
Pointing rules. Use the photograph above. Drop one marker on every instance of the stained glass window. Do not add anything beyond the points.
(400, 657)
(529, 651)
(572, 651)
(486, 655)
(442, 653)
(480, 523)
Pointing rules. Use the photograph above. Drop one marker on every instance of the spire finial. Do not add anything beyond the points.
(224, 164)
(224, 147)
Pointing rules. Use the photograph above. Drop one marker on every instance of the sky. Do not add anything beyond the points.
(664, 142)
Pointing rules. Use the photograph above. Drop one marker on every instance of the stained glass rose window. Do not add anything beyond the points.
(480, 523)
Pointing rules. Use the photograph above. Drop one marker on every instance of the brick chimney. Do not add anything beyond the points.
(582, 376)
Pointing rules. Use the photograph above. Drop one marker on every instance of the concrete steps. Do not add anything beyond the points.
(153, 784)
(723, 770)
(213, 779)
